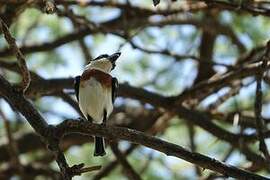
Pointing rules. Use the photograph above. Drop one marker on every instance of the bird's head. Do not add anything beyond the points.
(104, 62)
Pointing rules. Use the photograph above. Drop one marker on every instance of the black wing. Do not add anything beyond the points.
(114, 88)
(77, 86)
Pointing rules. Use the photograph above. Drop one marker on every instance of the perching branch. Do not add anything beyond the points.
(118, 133)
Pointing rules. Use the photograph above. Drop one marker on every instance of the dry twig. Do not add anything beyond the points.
(21, 60)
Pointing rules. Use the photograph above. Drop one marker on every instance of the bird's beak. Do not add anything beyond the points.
(114, 57)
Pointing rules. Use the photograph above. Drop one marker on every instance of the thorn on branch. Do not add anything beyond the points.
(21, 60)
(77, 170)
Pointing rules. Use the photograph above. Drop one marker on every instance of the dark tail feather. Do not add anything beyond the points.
(99, 146)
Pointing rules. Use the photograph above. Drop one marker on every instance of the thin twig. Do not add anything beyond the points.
(13, 149)
(21, 60)
(127, 168)
(79, 21)
(258, 103)
(146, 165)
(193, 147)
(90, 169)
(112, 165)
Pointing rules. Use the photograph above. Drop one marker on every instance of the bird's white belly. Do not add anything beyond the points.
(94, 99)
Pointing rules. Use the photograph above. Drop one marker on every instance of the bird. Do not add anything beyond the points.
(96, 91)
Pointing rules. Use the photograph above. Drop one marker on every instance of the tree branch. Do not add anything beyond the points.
(258, 102)
(117, 133)
(240, 6)
(21, 60)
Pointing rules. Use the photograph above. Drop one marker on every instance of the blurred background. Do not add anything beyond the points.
(199, 55)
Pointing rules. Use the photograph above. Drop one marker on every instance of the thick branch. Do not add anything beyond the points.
(37, 122)
(24, 106)
(71, 126)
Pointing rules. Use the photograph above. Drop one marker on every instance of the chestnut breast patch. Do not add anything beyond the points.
(102, 77)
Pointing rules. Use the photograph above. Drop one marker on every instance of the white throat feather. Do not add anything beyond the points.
(103, 65)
